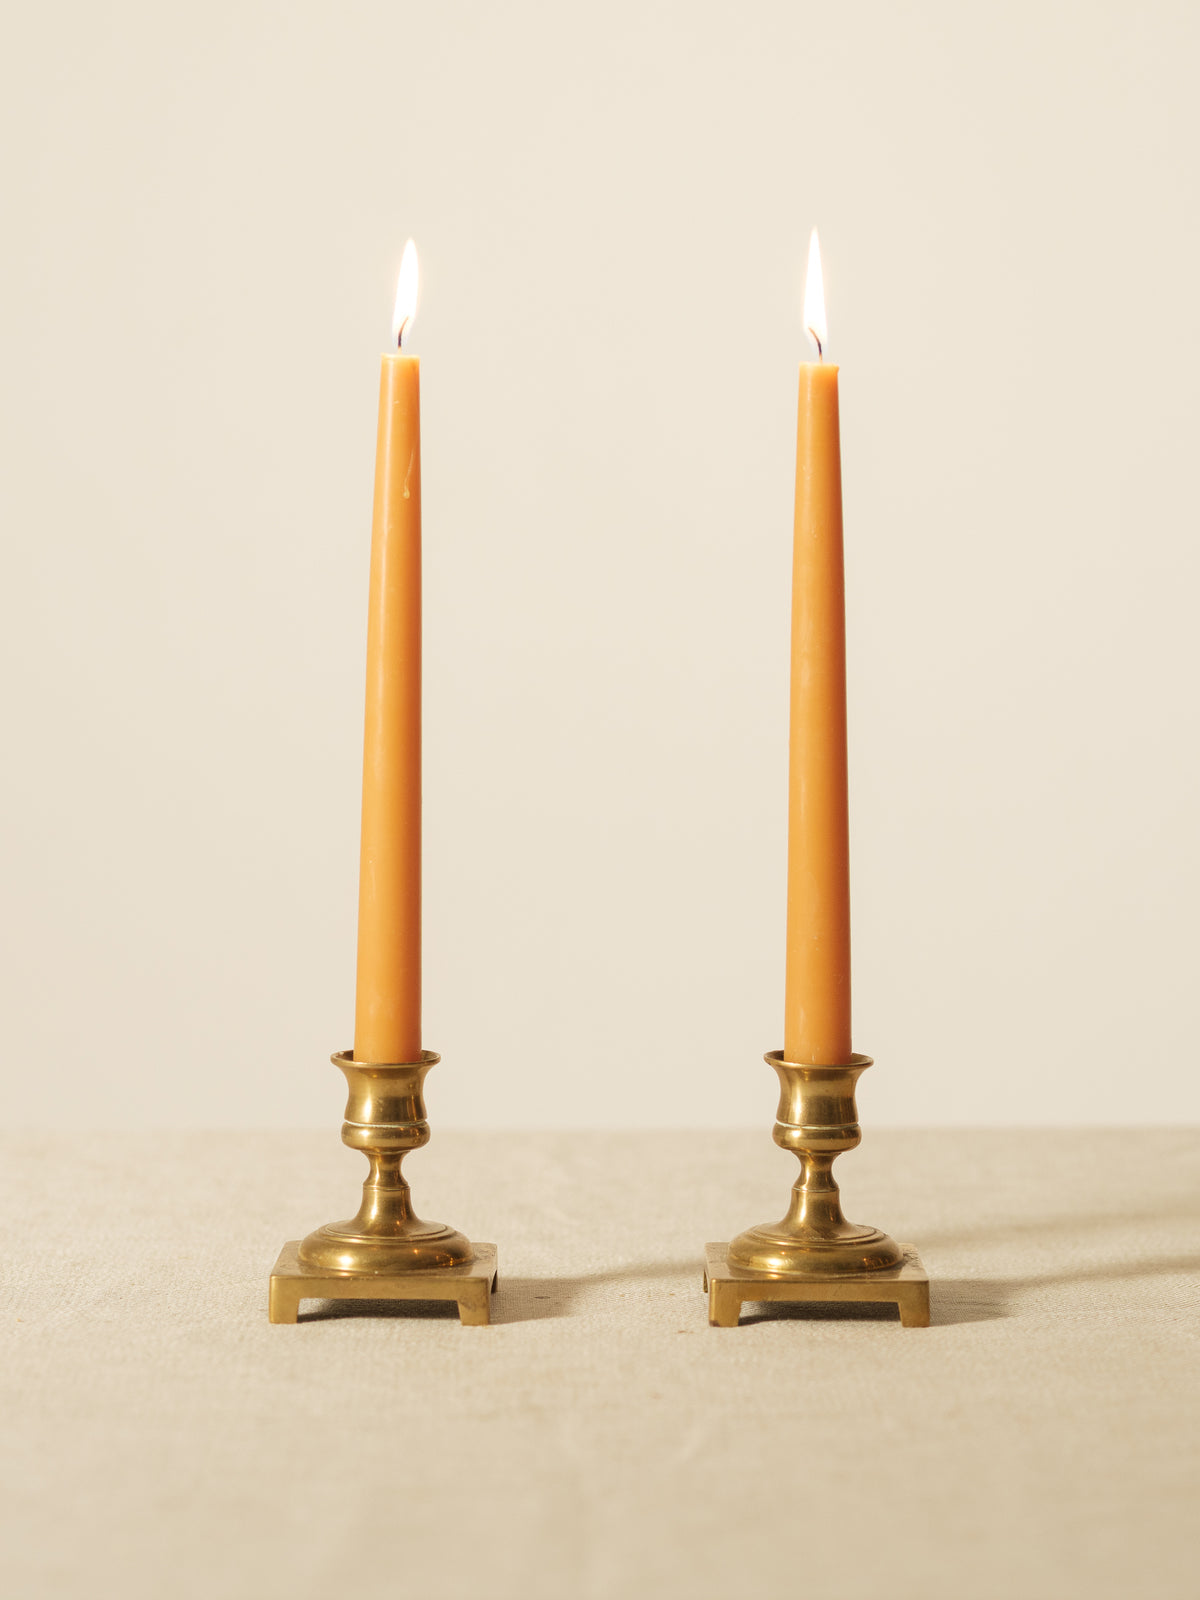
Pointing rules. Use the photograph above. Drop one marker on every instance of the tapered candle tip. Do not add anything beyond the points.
(406, 294)
(814, 298)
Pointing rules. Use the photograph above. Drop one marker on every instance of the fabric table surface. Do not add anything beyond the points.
(600, 1440)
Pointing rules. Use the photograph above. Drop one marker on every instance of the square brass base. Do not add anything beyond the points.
(471, 1285)
(728, 1287)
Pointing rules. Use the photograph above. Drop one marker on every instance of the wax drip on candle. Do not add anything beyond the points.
(814, 299)
(406, 294)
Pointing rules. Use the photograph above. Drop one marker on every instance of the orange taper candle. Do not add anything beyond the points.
(387, 1017)
(816, 1028)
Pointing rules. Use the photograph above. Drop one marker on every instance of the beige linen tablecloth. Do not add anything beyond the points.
(161, 1440)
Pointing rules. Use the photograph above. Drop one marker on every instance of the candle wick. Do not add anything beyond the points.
(816, 339)
(400, 334)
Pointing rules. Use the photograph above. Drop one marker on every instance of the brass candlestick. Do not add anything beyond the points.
(814, 1254)
(386, 1252)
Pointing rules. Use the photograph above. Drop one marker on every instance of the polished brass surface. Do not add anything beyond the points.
(472, 1285)
(386, 1240)
(813, 1244)
(729, 1287)
(817, 1120)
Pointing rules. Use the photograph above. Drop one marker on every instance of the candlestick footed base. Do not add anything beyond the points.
(471, 1285)
(814, 1254)
(386, 1251)
(729, 1287)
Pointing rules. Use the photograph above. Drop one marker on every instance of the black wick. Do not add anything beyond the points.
(400, 335)
(816, 338)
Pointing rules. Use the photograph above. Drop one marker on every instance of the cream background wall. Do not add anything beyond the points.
(203, 214)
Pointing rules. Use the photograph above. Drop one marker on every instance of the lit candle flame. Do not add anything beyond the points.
(814, 299)
(406, 294)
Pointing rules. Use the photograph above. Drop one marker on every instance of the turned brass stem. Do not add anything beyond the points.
(816, 1204)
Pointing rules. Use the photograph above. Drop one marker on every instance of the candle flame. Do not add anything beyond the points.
(814, 298)
(406, 294)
